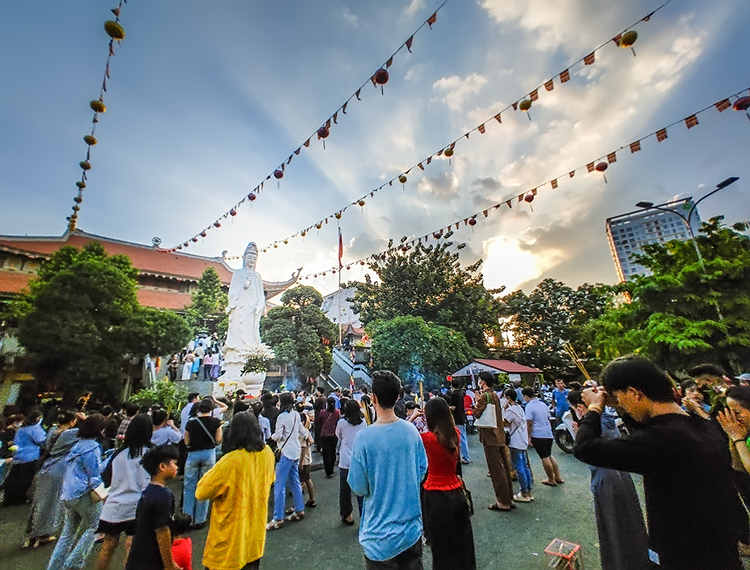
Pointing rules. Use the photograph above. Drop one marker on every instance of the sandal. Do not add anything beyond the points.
(549, 484)
(289, 511)
(311, 504)
(495, 507)
(274, 525)
(295, 516)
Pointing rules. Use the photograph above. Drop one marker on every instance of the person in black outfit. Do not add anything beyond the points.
(318, 406)
(456, 405)
(270, 410)
(692, 507)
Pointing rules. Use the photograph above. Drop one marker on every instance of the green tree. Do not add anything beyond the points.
(299, 332)
(157, 332)
(206, 311)
(680, 315)
(429, 282)
(413, 348)
(169, 395)
(81, 318)
(540, 323)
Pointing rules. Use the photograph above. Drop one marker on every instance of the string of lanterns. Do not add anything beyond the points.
(378, 79)
(600, 165)
(116, 33)
(624, 39)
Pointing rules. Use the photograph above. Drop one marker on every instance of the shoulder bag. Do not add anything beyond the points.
(488, 419)
(208, 433)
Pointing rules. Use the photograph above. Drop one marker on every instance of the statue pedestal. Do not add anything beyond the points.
(233, 380)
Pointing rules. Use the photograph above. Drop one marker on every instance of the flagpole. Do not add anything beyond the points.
(341, 243)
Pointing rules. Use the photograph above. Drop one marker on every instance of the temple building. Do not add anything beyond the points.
(166, 279)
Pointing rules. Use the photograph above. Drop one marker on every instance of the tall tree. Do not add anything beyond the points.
(206, 312)
(414, 349)
(300, 333)
(82, 318)
(539, 324)
(429, 282)
(683, 314)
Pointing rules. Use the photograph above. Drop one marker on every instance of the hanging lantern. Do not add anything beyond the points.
(251, 197)
(742, 104)
(275, 246)
(529, 198)
(232, 212)
(85, 165)
(601, 167)
(97, 106)
(78, 199)
(402, 179)
(278, 174)
(76, 208)
(337, 215)
(319, 225)
(185, 244)
(323, 133)
(361, 262)
(114, 30)
(437, 235)
(90, 140)
(525, 105)
(303, 233)
(472, 222)
(195, 240)
(628, 39)
(449, 153)
(203, 233)
(361, 204)
(286, 242)
(217, 224)
(381, 78)
(404, 248)
(81, 184)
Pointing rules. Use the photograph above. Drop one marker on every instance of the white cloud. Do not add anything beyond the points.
(350, 18)
(456, 89)
(412, 8)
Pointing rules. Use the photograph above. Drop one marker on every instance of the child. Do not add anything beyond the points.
(305, 462)
(182, 546)
(152, 543)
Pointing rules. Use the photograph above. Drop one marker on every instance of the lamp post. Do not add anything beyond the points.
(686, 220)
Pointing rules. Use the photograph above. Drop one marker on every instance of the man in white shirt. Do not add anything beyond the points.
(540, 429)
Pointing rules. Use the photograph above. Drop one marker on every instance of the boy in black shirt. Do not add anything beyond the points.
(692, 507)
(152, 543)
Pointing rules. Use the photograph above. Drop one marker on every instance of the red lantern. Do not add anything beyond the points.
(278, 174)
(381, 78)
(195, 240)
(437, 235)
(601, 167)
(232, 212)
(251, 197)
(529, 198)
(472, 222)
(361, 262)
(323, 133)
(217, 224)
(303, 233)
(742, 104)
(203, 233)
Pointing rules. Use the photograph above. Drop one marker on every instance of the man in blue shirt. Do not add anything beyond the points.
(387, 467)
(560, 397)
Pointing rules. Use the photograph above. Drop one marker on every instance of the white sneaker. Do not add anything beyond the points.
(519, 498)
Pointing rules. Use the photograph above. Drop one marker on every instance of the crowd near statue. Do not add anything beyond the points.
(247, 302)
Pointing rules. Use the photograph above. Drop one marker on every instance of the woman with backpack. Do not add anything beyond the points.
(126, 479)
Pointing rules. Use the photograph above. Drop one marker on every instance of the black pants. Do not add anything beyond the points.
(447, 528)
(345, 496)
(329, 453)
(409, 559)
(18, 482)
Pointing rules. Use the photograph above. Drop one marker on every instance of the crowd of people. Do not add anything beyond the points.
(201, 360)
(96, 474)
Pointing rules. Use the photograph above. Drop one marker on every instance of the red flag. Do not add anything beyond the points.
(723, 105)
(408, 43)
(565, 76)
(589, 59)
(432, 19)
(341, 248)
(691, 121)
(389, 62)
(635, 147)
(661, 134)
(572, 173)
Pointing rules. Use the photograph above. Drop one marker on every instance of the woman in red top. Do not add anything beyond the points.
(328, 419)
(447, 526)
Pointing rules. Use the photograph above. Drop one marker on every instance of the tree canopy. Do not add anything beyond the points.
(206, 312)
(82, 317)
(429, 282)
(681, 315)
(299, 332)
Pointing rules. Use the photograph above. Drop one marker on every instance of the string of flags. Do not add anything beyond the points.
(626, 38)
(116, 33)
(378, 79)
(736, 101)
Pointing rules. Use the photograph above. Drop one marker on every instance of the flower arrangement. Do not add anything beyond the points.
(257, 358)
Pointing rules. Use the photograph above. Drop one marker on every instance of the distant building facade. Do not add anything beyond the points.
(166, 280)
(628, 233)
(339, 311)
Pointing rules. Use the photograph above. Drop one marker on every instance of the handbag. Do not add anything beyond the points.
(277, 451)
(488, 419)
(467, 496)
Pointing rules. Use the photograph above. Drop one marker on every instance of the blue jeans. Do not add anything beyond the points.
(77, 537)
(287, 471)
(521, 465)
(196, 465)
(464, 443)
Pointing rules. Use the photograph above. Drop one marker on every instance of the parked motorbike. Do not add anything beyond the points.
(564, 435)
(470, 429)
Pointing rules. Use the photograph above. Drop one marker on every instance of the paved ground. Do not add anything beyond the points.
(503, 540)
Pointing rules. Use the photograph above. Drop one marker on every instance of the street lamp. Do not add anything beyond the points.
(686, 219)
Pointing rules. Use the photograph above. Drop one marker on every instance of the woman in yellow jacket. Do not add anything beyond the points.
(238, 485)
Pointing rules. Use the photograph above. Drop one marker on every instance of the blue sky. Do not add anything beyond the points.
(207, 98)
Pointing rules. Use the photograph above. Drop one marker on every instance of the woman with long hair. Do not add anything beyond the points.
(346, 429)
(82, 511)
(367, 409)
(447, 526)
(29, 441)
(46, 516)
(238, 485)
(286, 436)
(126, 479)
(328, 418)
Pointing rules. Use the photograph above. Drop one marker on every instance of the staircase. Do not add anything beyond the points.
(343, 368)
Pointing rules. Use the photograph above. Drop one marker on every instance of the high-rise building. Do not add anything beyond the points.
(628, 233)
